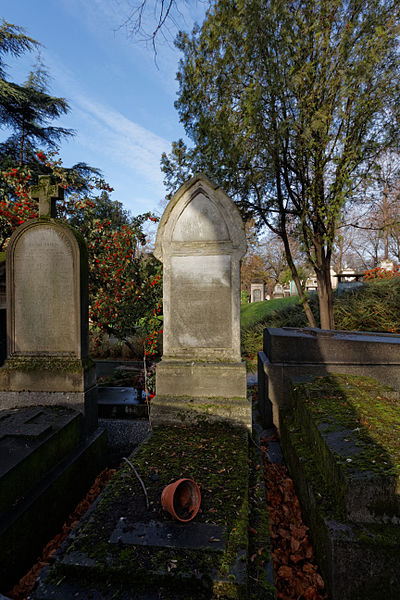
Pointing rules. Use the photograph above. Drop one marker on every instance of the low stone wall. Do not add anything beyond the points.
(340, 439)
(292, 355)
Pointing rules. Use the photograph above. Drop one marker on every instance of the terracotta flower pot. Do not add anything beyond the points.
(181, 499)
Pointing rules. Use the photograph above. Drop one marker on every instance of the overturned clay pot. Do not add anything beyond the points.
(181, 499)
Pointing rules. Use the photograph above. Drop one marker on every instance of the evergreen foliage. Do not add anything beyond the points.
(29, 117)
(26, 109)
(14, 41)
(288, 105)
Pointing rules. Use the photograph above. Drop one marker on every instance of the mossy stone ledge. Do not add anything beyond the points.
(341, 440)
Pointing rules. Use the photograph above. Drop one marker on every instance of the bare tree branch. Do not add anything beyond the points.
(149, 19)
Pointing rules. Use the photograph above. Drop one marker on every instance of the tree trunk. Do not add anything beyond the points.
(325, 298)
(385, 210)
(304, 301)
(302, 294)
(21, 145)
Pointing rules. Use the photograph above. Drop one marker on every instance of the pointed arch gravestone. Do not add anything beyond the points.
(47, 314)
(201, 241)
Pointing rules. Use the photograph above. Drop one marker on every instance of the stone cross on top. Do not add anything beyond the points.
(47, 194)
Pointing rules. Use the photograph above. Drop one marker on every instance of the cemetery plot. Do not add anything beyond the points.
(51, 447)
(46, 466)
(27, 447)
(123, 546)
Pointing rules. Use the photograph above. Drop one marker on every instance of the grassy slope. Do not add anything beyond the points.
(373, 307)
(257, 311)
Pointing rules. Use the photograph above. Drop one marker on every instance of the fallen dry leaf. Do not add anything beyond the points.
(296, 574)
(285, 572)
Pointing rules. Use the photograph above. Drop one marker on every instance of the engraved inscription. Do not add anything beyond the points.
(200, 287)
(44, 300)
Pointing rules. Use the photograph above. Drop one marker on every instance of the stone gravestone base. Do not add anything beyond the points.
(188, 392)
(47, 465)
(36, 381)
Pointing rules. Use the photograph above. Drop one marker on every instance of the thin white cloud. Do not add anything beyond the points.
(136, 147)
(110, 133)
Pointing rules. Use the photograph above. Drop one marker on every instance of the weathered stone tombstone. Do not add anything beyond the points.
(47, 314)
(201, 378)
(200, 241)
(257, 291)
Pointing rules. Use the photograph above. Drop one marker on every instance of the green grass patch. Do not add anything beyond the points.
(252, 312)
(280, 312)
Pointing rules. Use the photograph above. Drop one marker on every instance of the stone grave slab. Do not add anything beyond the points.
(14, 423)
(347, 480)
(293, 354)
(144, 548)
(122, 550)
(32, 441)
(169, 535)
(47, 464)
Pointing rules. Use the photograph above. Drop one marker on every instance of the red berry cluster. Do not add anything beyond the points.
(379, 273)
(122, 292)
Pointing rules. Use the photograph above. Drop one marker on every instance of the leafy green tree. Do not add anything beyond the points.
(14, 41)
(125, 288)
(30, 116)
(101, 208)
(286, 276)
(27, 109)
(27, 113)
(288, 104)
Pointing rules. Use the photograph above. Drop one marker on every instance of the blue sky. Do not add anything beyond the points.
(121, 103)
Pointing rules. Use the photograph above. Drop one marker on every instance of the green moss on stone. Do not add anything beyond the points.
(44, 363)
(368, 410)
(216, 456)
(328, 416)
